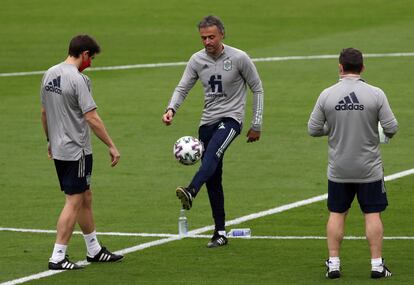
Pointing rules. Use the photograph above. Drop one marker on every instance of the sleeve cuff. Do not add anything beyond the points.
(256, 128)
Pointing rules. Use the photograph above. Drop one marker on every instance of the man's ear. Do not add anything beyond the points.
(341, 68)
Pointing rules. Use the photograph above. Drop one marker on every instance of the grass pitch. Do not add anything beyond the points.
(138, 195)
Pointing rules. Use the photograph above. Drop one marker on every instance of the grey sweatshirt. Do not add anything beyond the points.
(348, 113)
(224, 81)
(66, 96)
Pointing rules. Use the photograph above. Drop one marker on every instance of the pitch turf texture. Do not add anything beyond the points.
(138, 196)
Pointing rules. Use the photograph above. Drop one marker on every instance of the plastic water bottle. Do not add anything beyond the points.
(182, 224)
(382, 137)
(239, 233)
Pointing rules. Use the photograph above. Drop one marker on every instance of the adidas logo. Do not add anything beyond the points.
(54, 86)
(350, 102)
(221, 126)
(205, 66)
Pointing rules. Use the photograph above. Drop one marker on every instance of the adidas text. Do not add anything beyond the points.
(351, 107)
(53, 89)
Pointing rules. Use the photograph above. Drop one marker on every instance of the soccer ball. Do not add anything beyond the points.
(188, 150)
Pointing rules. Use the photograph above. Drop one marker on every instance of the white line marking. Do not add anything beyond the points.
(304, 237)
(79, 233)
(204, 229)
(175, 236)
(399, 175)
(165, 235)
(33, 277)
(180, 63)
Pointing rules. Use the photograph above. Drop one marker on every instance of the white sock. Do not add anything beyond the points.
(222, 233)
(377, 265)
(334, 263)
(92, 245)
(59, 252)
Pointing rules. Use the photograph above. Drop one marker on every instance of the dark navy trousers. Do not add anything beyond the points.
(216, 139)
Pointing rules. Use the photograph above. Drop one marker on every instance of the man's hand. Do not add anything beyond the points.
(168, 117)
(115, 156)
(253, 135)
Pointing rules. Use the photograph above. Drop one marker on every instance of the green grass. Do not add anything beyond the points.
(138, 195)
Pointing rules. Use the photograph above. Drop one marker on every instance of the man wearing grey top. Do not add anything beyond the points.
(224, 72)
(68, 113)
(348, 113)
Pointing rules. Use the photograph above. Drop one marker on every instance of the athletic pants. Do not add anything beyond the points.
(216, 139)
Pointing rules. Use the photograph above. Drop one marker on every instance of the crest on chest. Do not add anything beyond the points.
(227, 65)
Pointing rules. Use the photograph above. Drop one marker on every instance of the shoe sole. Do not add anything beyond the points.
(185, 200)
(377, 275)
(333, 275)
(77, 267)
(213, 245)
(66, 269)
(109, 261)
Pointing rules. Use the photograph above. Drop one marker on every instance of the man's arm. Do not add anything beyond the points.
(317, 126)
(44, 125)
(386, 117)
(187, 82)
(44, 122)
(250, 74)
(96, 124)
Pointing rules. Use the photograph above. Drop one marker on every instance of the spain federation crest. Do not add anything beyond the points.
(227, 65)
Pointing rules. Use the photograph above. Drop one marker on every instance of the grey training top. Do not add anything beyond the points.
(348, 112)
(66, 96)
(224, 81)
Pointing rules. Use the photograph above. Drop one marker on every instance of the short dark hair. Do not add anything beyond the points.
(211, 21)
(80, 43)
(351, 60)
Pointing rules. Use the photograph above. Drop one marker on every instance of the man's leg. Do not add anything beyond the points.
(340, 197)
(65, 225)
(85, 217)
(70, 184)
(335, 232)
(216, 140)
(372, 198)
(221, 137)
(216, 197)
(95, 252)
(68, 217)
(374, 231)
(87, 225)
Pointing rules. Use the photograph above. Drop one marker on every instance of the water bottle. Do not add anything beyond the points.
(182, 224)
(382, 137)
(239, 233)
